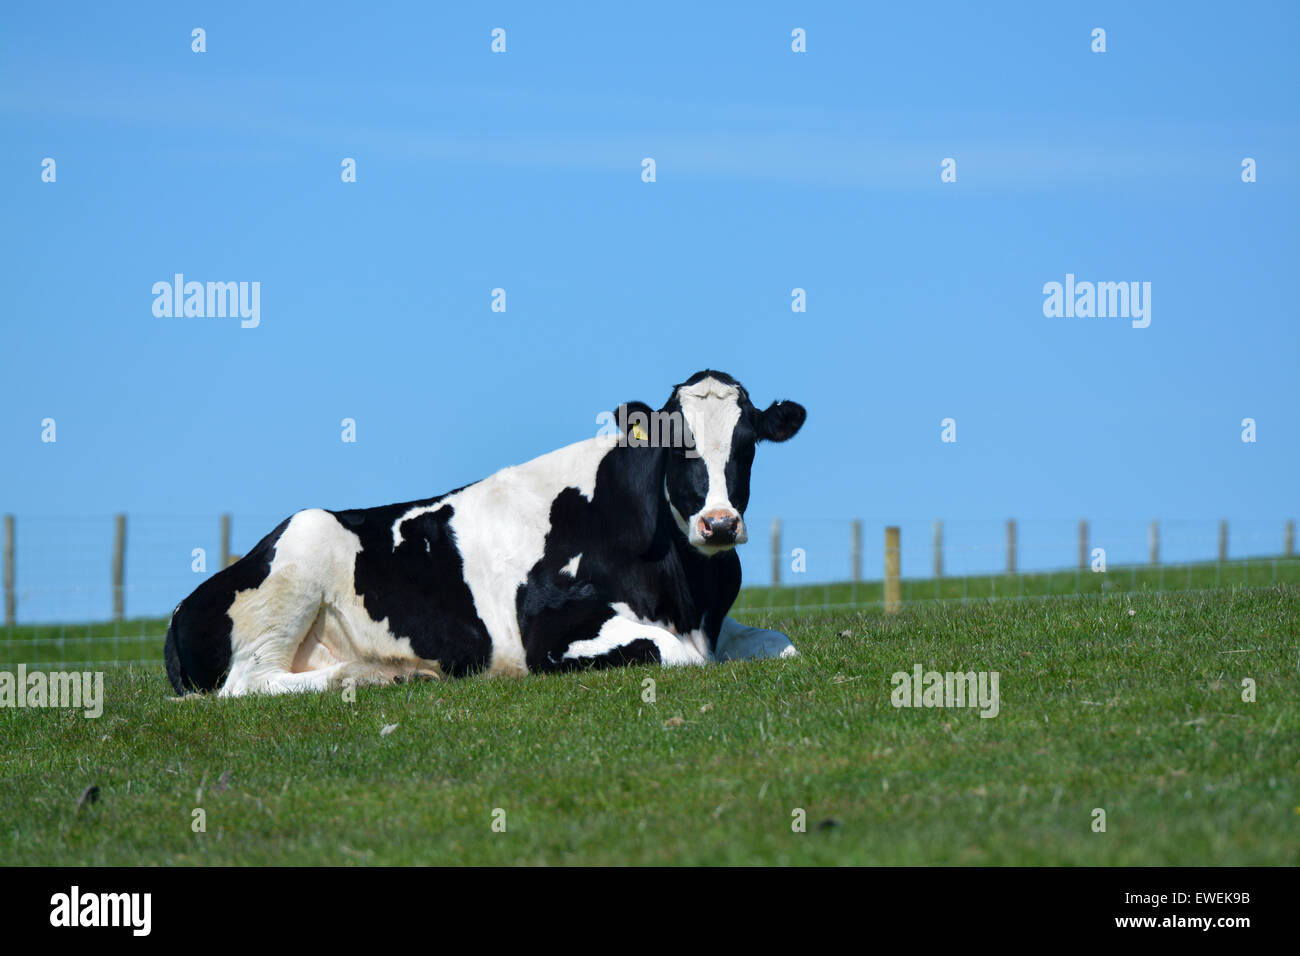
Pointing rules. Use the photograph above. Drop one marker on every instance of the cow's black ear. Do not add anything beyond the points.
(781, 420)
(632, 419)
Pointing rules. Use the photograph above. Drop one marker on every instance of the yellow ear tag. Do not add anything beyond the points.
(639, 433)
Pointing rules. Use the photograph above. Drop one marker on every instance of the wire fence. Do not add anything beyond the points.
(982, 560)
(125, 577)
(1036, 585)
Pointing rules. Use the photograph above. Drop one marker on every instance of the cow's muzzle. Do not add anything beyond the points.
(719, 528)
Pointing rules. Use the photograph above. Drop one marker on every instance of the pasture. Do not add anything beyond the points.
(1129, 699)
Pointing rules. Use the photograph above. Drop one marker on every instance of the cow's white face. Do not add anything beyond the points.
(707, 482)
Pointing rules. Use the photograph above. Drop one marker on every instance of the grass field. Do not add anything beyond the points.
(1129, 701)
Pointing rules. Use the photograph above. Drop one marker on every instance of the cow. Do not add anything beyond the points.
(615, 550)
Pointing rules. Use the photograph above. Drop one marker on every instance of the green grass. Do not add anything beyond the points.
(1130, 702)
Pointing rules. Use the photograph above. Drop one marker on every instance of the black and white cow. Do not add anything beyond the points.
(614, 550)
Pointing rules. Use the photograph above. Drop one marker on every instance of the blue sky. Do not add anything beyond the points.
(522, 170)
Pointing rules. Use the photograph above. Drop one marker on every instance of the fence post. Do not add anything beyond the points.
(1083, 544)
(857, 550)
(119, 567)
(1153, 542)
(1011, 546)
(1288, 540)
(10, 603)
(936, 534)
(225, 542)
(1223, 541)
(776, 552)
(893, 589)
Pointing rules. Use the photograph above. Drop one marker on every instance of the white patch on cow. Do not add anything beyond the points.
(677, 515)
(571, 569)
(737, 642)
(501, 525)
(624, 628)
(698, 641)
(711, 410)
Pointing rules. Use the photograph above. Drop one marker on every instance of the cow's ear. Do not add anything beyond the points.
(781, 420)
(632, 420)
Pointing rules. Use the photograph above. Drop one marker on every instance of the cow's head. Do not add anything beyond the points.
(707, 476)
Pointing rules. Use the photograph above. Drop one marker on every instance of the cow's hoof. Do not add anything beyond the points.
(416, 676)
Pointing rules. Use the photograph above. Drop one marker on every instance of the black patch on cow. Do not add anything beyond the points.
(198, 645)
(419, 586)
(640, 651)
(556, 610)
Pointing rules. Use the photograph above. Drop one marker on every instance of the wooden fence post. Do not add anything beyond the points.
(1153, 542)
(856, 539)
(1083, 544)
(1011, 546)
(225, 542)
(1223, 541)
(119, 567)
(1288, 540)
(11, 603)
(776, 552)
(893, 588)
(936, 534)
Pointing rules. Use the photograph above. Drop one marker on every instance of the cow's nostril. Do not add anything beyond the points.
(719, 528)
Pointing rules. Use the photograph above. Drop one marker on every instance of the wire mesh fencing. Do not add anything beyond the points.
(94, 590)
(834, 564)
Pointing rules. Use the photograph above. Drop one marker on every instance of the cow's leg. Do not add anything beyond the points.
(268, 624)
(276, 636)
(351, 673)
(277, 648)
(737, 642)
(626, 640)
(569, 625)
